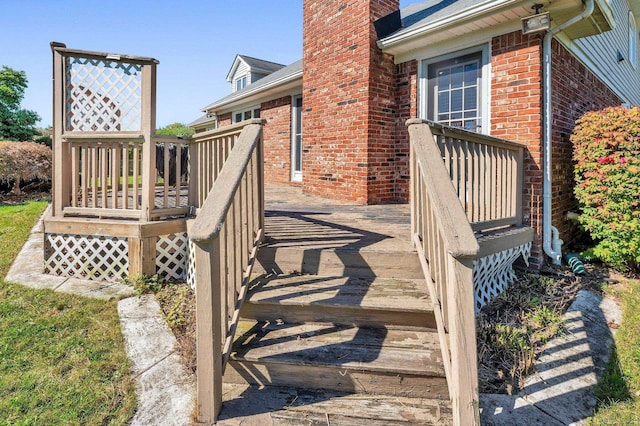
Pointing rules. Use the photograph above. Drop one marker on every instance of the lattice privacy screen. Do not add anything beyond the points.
(102, 95)
(492, 274)
(86, 256)
(172, 256)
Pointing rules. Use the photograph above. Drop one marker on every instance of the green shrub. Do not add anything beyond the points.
(24, 161)
(607, 170)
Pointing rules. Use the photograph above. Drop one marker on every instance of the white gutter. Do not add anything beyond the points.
(551, 242)
(471, 13)
(256, 90)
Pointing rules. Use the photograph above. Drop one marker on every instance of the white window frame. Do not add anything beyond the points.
(633, 41)
(240, 81)
(296, 175)
(245, 114)
(485, 100)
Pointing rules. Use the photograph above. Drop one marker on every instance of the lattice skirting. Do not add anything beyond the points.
(172, 252)
(191, 266)
(86, 256)
(492, 274)
(107, 258)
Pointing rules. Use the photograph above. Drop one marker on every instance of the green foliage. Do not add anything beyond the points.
(62, 358)
(15, 123)
(24, 161)
(175, 302)
(175, 129)
(144, 284)
(618, 391)
(607, 171)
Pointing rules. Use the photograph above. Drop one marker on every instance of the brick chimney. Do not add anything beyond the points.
(349, 102)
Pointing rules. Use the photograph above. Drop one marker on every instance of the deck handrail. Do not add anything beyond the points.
(487, 174)
(227, 233)
(446, 246)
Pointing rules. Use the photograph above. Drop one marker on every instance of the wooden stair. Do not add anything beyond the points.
(339, 329)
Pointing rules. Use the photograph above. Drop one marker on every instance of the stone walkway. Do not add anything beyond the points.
(560, 393)
(165, 389)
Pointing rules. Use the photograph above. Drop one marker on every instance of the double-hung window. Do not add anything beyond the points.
(454, 92)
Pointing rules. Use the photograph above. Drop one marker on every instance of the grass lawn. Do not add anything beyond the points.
(619, 389)
(62, 358)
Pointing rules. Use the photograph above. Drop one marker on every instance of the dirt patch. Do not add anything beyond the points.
(513, 329)
(178, 303)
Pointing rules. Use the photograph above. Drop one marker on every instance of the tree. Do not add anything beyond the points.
(15, 123)
(175, 129)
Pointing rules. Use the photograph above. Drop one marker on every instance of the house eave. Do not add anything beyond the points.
(498, 13)
(258, 94)
(401, 41)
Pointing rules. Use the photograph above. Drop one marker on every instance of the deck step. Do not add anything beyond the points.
(404, 363)
(362, 301)
(290, 406)
(339, 261)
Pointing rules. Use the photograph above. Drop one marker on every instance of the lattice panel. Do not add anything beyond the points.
(191, 266)
(86, 256)
(493, 274)
(171, 256)
(103, 95)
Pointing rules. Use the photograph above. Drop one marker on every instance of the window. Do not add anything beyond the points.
(633, 40)
(455, 92)
(246, 114)
(241, 83)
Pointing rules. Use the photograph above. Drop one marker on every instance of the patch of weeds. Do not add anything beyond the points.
(177, 302)
(516, 325)
(145, 284)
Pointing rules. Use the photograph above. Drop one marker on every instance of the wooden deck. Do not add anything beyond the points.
(339, 327)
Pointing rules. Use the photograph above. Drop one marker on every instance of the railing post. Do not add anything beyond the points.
(519, 192)
(260, 150)
(148, 124)
(463, 346)
(208, 326)
(194, 176)
(61, 169)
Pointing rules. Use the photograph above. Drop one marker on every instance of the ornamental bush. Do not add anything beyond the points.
(24, 161)
(606, 151)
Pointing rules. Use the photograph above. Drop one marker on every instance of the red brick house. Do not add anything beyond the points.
(335, 119)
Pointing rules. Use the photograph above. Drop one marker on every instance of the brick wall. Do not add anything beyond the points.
(516, 114)
(406, 108)
(576, 90)
(277, 139)
(224, 120)
(349, 102)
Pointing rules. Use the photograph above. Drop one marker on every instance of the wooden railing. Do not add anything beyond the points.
(487, 174)
(105, 174)
(171, 184)
(227, 233)
(447, 246)
(208, 152)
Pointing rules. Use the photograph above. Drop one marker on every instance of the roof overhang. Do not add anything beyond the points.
(234, 67)
(503, 15)
(254, 95)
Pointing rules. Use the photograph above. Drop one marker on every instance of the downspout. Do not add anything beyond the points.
(551, 242)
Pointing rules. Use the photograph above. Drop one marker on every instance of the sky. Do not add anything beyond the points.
(195, 41)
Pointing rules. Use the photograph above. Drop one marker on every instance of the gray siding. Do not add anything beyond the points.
(600, 52)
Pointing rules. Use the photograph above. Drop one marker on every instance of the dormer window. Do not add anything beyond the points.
(241, 83)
